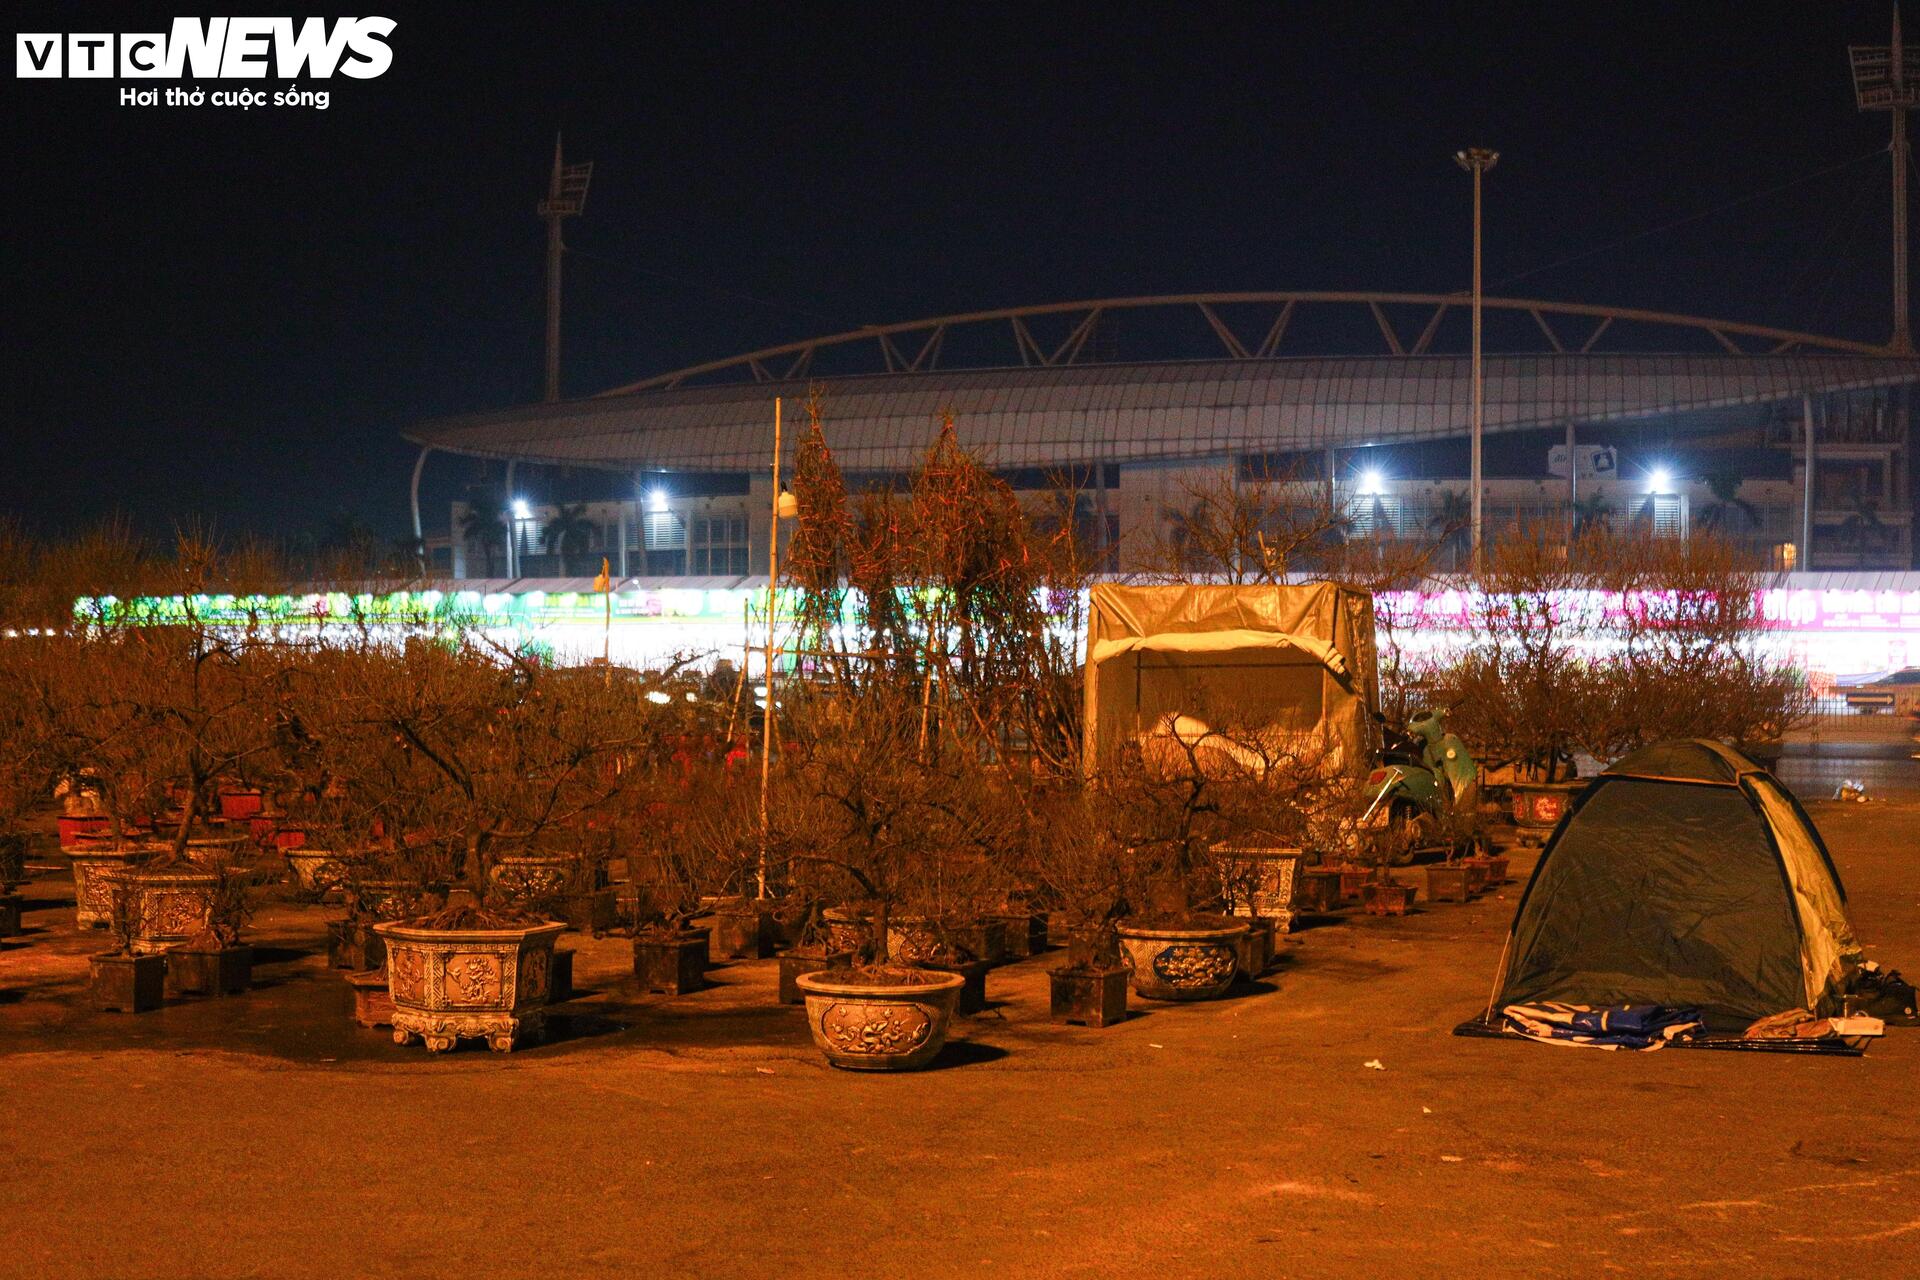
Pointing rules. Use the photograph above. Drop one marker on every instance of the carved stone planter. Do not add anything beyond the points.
(983, 940)
(530, 879)
(209, 971)
(1255, 953)
(92, 891)
(315, 872)
(1089, 997)
(670, 964)
(165, 907)
(1489, 871)
(1025, 932)
(127, 984)
(1388, 899)
(848, 929)
(449, 983)
(1263, 880)
(864, 1025)
(1195, 962)
(973, 974)
(372, 1006)
(807, 960)
(352, 944)
(214, 852)
(743, 929)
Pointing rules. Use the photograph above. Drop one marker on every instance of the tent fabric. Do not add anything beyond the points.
(1664, 891)
(1700, 759)
(1295, 657)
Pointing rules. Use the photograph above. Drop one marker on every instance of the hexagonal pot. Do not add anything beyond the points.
(449, 983)
(1196, 961)
(863, 1024)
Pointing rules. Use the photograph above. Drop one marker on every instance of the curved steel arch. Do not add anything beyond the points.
(796, 357)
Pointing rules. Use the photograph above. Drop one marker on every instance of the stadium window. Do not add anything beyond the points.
(719, 546)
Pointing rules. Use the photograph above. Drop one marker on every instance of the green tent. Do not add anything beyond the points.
(1684, 875)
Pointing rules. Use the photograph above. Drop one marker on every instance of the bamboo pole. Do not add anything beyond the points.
(766, 724)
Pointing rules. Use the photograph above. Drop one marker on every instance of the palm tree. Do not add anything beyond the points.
(485, 522)
(1450, 522)
(1725, 486)
(568, 534)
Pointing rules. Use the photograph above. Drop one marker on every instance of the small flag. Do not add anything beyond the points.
(604, 581)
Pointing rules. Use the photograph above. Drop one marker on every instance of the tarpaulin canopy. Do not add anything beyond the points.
(1670, 888)
(1293, 658)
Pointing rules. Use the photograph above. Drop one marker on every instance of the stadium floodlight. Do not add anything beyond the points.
(1886, 77)
(1477, 160)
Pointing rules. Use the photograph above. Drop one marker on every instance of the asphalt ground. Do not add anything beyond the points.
(266, 1135)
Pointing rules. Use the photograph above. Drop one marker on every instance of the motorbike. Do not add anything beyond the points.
(1425, 775)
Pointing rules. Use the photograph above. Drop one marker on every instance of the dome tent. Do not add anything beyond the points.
(1685, 876)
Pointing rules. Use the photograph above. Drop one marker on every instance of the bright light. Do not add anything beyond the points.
(521, 511)
(659, 697)
(657, 500)
(1660, 480)
(1372, 482)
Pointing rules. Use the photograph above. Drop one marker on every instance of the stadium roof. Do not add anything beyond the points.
(1066, 413)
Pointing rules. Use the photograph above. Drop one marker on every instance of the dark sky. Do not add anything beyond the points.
(233, 314)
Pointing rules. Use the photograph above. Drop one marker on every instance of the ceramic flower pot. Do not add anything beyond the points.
(864, 1023)
(480, 983)
(1182, 962)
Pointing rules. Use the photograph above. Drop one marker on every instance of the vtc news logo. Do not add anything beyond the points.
(212, 49)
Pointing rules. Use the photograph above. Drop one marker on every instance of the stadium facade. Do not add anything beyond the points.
(1652, 422)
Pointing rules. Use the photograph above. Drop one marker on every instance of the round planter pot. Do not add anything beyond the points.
(524, 878)
(1195, 963)
(449, 983)
(92, 888)
(870, 1026)
(165, 907)
(315, 871)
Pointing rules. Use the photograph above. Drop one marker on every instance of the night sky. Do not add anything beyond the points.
(233, 315)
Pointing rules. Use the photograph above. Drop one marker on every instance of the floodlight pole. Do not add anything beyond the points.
(1881, 82)
(1477, 160)
(566, 197)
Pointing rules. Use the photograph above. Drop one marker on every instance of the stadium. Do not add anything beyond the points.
(1796, 443)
